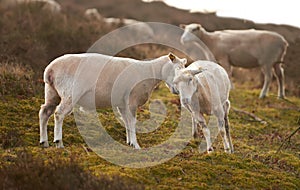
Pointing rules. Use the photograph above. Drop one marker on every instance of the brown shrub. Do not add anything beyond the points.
(27, 172)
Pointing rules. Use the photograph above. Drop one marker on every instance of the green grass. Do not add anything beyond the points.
(254, 165)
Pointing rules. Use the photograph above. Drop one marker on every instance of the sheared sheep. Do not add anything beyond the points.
(204, 89)
(98, 73)
(244, 48)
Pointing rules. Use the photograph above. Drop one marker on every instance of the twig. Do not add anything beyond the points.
(288, 139)
(86, 149)
(288, 101)
(249, 114)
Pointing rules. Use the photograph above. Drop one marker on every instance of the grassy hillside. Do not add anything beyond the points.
(29, 39)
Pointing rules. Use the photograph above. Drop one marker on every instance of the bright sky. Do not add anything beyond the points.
(260, 11)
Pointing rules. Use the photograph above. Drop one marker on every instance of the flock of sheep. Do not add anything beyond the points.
(203, 86)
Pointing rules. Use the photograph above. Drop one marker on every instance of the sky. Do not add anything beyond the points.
(260, 11)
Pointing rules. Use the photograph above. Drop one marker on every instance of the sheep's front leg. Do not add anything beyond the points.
(195, 131)
(132, 133)
(125, 121)
(130, 121)
(206, 132)
(132, 130)
(63, 109)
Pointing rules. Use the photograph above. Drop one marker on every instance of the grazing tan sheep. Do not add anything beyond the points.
(244, 48)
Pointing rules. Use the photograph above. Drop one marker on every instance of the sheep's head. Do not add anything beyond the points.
(186, 83)
(191, 32)
(169, 70)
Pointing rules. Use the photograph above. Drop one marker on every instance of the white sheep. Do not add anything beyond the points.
(98, 73)
(140, 30)
(244, 48)
(204, 89)
(92, 14)
(49, 5)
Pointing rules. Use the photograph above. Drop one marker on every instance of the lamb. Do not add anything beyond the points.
(204, 89)
(64, 87)
(244, 48)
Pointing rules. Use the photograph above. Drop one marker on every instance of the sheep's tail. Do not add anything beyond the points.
(49, 76)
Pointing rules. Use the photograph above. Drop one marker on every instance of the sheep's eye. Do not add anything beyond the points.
(195, 29)
(189, 81)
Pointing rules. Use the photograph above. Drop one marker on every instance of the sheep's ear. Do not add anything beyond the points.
(172, 57)
(177, 79)
(182, 26)
(184, 61)
(195, 72)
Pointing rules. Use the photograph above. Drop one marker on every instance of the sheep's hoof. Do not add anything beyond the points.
(262, 96)
(44, 144)
(229, 151)
(135, 146)
(210, 150)
(59, 144)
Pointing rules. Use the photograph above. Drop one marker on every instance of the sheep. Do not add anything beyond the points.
(92, 14)
(140, 29)
(204, 89)
(97, 78)
(244, 48)
(49, 5)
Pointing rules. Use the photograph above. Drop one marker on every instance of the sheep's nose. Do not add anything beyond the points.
(184, 101)
(175, 91)
(182, 40)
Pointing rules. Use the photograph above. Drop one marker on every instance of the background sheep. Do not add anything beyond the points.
(244, 48)
(82, 78)
(139, 29)
(204, 89)
(49, 5)
(92, 14)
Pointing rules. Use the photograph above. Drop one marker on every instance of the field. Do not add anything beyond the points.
(264, 158)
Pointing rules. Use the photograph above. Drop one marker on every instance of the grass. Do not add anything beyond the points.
(254, 165)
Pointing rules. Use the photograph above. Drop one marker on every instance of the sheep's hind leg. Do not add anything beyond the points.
(227, 128)
(47, 109)
(223, 134)
(44, 114)
(279, 73)
(63, 109)
(268, 77)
